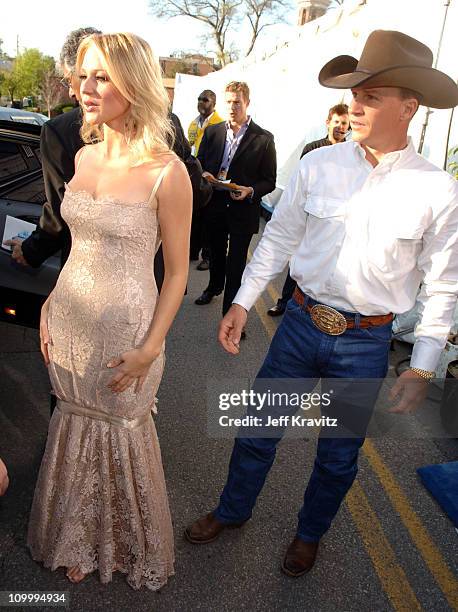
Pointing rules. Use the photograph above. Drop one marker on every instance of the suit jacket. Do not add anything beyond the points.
(254, 165)
(60, 141)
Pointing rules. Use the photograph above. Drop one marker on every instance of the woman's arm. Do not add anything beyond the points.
(174, 210)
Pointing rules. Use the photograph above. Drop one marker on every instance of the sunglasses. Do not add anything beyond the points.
(203, 99)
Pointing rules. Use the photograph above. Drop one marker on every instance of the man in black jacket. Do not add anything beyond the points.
(239, 150)
(60, 141)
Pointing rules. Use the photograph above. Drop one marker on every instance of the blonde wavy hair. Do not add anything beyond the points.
(135, 72)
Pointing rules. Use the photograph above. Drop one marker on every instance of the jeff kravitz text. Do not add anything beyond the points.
(283, 421)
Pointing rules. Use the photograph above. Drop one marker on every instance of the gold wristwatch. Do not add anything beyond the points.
(426, 374)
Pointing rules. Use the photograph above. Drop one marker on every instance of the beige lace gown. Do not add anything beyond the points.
(101, 500)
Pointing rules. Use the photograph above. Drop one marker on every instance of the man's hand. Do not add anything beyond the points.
(242, 193)
(17, 253)
(208, 176)
(231, 328)
(411, 389)
(4, 481)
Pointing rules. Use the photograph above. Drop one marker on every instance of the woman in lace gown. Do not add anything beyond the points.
(100, 500)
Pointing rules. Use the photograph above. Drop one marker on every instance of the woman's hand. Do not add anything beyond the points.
(44, 333)
(132, 367)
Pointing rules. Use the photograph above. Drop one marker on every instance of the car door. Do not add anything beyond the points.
(22, 288)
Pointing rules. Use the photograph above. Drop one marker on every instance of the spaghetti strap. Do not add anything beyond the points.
(80, 157)
(158, 182)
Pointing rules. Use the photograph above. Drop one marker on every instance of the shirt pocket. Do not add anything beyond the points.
(394, 245)
(325, 222)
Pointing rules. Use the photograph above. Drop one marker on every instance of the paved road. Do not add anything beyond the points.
(390, 547)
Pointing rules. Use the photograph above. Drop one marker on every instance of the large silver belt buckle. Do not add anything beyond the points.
(328, 320)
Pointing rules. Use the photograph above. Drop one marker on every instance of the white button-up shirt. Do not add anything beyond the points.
(363, 239)
(232, 143)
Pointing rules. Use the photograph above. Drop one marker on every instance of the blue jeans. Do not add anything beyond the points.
(300, 350)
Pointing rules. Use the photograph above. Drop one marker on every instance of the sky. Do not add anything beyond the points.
(46, 24)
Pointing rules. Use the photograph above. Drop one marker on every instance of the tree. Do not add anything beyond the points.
(221, 17)
(10, 83)
(257, 10)
(50, 89)
(29, 69)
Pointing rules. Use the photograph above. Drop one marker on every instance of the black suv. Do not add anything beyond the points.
(22, 288)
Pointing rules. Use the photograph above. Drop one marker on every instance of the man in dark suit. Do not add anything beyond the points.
(60, 141)
(239, 150)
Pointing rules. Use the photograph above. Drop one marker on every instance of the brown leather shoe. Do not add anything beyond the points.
(207, 529)
(299, 558)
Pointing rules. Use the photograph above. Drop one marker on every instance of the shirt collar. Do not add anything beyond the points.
(242, 127)
(201, 122)
(392, 159)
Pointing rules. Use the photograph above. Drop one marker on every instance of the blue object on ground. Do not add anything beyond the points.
(442, 482)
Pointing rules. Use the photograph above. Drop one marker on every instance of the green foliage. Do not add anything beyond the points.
(10, 84)
(30, 68)
(63, 107)
(453, 165)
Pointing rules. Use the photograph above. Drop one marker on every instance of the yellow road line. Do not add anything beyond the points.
(430, 553)
(434, 560)
(391, 575)
(273, 294)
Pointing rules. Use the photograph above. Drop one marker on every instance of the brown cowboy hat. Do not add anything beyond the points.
(393, 59)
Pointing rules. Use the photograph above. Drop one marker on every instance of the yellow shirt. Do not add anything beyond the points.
(196, 132)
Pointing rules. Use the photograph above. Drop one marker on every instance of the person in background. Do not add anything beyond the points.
(59, 143)
(242, 151)
(338, 125)
(206, 103)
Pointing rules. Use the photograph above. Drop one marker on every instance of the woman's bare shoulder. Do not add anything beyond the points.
(170, 162)
(159, 161)
(86, 151)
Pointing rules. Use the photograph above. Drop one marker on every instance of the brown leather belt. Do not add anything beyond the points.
(331, 321)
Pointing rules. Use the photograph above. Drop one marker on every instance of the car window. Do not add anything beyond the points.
(34, 191)
(12, 161)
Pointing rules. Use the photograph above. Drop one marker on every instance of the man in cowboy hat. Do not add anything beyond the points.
(364, 224)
